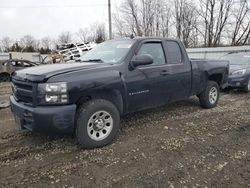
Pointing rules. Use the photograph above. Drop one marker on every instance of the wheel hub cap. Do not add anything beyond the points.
(213, 95)
(100, 125)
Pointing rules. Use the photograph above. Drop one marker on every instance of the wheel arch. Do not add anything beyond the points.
(216, 78)
(114, 96)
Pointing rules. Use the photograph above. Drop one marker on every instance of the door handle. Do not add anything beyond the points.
(164, 72)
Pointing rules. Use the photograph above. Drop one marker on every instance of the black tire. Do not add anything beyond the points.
(247, 88)
(85, 114)
(5, 77)
(205, 99)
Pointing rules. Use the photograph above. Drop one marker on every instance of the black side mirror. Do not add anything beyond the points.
(144, 59)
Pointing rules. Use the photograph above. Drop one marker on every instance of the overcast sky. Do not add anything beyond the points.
(42, 18)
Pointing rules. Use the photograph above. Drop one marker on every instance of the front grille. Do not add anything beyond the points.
(23, 91)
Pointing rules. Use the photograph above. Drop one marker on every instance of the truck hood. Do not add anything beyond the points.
(43, 72)
(233, 68)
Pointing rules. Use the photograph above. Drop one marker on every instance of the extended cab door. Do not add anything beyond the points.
(147, 85)
(179, 70)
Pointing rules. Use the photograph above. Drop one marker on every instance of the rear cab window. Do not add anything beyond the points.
(173, 53)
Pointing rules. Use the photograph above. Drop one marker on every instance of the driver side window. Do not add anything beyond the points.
(155, 50)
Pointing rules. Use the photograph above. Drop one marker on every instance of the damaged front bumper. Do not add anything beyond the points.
(44, 119)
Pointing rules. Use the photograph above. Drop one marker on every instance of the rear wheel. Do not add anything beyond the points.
(4, 77)
(98, 122)
(210, 96)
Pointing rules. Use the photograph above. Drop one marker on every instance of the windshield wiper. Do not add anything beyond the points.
(93, 60)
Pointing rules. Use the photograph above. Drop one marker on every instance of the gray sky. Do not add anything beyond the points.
(42, 18)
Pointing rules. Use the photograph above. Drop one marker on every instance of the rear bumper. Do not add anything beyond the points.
(47, 119)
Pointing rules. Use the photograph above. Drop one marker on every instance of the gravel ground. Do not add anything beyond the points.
(173, 146)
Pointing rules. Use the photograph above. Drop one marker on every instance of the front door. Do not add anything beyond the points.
(147, 84)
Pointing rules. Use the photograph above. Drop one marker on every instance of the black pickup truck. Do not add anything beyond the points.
(116, 77)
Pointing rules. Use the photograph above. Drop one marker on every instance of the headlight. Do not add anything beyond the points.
(239, 72)
(53, 93)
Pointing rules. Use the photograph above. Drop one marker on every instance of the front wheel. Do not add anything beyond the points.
(4, 77)
(97, 123)
(247, 88)
(210, 96)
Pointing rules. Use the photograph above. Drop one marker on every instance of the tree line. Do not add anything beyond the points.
(28, 43)
(197, 23)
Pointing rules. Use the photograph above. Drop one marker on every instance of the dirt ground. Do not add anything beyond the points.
(179, 145)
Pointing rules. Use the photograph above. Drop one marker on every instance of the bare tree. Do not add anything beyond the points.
(178, 16)
(121, 27)
(143, 18)
(46, 42)
(65, 37)
(165, 17)
(156, 18)
(224, 11)
(241, 24)
(186, 21)
(6, 43)
(36, 45)
(100, 33)
(27, 41)
(215, 14)
(89, 34)
(130, 10)
(83, 34)
(149, 17)
(196, 22)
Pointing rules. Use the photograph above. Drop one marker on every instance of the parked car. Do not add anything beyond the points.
(116, 77)
(239, 70)
(9, 66)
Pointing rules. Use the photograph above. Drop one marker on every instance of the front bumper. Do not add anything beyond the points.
(238, 82)
(45, 119)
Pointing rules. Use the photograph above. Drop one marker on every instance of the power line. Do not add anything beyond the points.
(54, 6)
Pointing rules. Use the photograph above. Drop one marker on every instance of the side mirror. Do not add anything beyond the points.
(144, 59)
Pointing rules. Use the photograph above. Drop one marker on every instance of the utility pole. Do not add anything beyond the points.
(110, 23)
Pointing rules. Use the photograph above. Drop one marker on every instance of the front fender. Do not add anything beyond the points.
(106, 85)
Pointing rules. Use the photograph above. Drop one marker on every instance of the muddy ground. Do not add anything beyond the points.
(173, 146)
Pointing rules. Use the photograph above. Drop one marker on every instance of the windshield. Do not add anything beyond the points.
(108, 52)
(238, 59)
